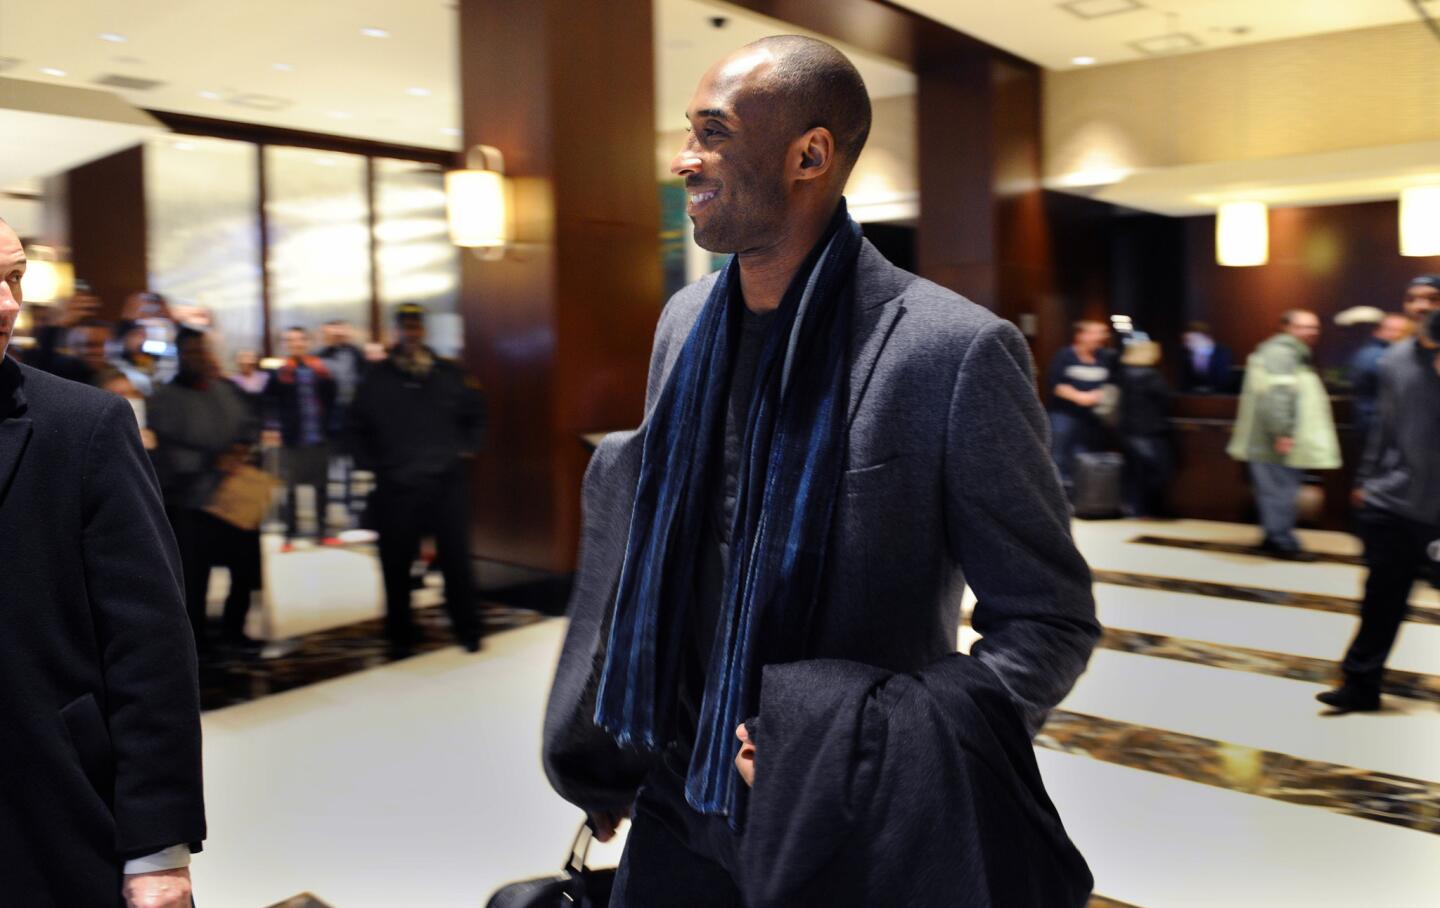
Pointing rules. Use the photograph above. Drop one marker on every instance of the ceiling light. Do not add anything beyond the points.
(183, 146)
(1420, 220)
(450, 131)
(52, 71)
(325, 162)
(211, 95)
(284, 67)
(113, 38)
(1083, 61)
(340, 115)
(374, 33)
(1242, 234)
(418, 92)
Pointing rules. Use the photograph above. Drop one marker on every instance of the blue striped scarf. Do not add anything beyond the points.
(793, 454)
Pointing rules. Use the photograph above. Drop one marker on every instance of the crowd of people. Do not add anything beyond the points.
(402, 417)
(1110, 427)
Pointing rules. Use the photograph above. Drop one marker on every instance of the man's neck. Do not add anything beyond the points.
(766, 274)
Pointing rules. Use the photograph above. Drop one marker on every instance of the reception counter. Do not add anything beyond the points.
(1208, 485)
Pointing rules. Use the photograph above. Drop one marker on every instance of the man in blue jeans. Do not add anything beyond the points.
(1284, 428)
(1078, 375)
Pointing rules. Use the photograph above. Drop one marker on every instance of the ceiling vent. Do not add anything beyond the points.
(128, 83)
(1167, 44)
(1099, 9)
(260, 102)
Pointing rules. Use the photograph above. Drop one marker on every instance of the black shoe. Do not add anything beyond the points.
(472, 644)
(1285, 552)
(1346, 699)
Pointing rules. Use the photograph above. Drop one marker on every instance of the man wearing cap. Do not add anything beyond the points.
(415, 421)
(1422, 297)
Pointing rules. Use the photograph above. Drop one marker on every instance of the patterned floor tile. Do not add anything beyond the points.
(1362, 793)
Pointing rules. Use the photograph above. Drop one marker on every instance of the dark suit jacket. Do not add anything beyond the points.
(948, 479)
(1219, 378)
(99, 701)
(282, 400)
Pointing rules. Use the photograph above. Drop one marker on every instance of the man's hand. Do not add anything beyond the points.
(606, 822)
(1357, 498)
(161, 889)
(745, 759)
(1284, 445)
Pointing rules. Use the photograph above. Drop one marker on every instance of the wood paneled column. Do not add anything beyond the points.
(559, 331)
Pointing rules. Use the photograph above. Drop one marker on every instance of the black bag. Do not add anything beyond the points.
(576, 887)
(1098, 477)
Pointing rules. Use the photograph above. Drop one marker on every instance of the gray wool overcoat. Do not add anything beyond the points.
(948, 481)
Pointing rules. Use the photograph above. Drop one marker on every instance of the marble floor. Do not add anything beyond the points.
(1190, 764)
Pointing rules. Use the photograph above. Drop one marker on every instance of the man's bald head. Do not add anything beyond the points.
(814, 85)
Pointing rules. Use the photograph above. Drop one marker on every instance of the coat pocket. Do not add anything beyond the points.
(91, 740)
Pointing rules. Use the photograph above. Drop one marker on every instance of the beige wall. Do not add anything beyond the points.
(884, 176)
(1346, 90)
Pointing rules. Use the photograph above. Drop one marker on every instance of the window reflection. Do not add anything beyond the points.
(203, 230)
(319, 244)
(416, 261)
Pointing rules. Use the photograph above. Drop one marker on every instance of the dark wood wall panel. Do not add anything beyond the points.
(559, 330)
(105, 203)
(1326, 259)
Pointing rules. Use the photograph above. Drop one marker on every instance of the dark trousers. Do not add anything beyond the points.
(307, 465)
(1148, 467)
(405, 514)
(1277, 490)
(673, 855)
(1395, 553)
(205, 541)
(1070, 435)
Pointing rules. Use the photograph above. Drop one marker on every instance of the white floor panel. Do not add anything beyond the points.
(1107, 546)
(1280, 629)
(1274, 714)
(417, 784)
(1161, 842)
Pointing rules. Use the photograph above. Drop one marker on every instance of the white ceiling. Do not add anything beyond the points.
(1046, 33)
(213, 57)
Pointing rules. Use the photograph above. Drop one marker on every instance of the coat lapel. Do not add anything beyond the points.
(878, 307)
(15, 427)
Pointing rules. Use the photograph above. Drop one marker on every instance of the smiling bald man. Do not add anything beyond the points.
(761, 665)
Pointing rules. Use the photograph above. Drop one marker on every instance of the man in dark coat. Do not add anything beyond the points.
(100, 791)
(944, 477)
(415, 423)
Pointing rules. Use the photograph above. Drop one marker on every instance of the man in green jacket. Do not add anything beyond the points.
(1284, 428)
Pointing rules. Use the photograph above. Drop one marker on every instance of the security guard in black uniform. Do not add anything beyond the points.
(415, 422)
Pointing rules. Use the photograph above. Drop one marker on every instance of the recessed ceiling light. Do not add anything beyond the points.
(450, 131)
(418, 92)
(211, 95)
(340, 115)
(374, 33)
(1083, 61)
(325, 162)
(183, 146)
(112, 38)
(284, 67)
(52, 71)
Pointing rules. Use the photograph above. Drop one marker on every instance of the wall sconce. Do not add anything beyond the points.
(477, 203)
(47, 279)
(1420, 220)
(1242, 234)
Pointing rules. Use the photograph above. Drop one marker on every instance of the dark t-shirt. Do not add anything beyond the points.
(714, 557)
(1068, 369)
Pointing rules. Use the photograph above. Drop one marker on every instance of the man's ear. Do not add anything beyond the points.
(812, 155)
